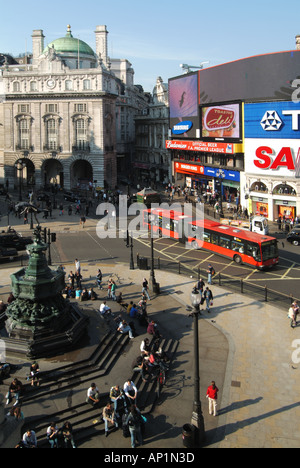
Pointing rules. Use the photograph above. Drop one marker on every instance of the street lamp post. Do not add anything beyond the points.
(197, 416)
(154, 286)
(20, 166)
(221, 175)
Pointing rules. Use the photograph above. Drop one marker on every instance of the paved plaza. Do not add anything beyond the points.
(246, 346)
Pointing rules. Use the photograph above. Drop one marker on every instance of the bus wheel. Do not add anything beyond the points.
(237, 259)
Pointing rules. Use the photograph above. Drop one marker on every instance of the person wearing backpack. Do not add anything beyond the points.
(134, 421)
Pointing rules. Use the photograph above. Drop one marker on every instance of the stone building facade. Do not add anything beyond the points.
(61, 115)
(152, 162)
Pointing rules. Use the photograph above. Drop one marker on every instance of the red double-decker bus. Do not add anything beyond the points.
(240, 245)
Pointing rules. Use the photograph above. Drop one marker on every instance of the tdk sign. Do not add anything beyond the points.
(279, 120)
(182, 127)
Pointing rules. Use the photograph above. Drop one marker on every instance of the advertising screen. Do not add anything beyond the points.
(183, 103)
(278, 120)
(268, 77)
(221, 122)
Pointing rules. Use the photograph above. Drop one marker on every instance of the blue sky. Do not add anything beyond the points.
(158, 35)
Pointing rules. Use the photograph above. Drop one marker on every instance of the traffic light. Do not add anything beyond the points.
(53, 236)
(45, 235)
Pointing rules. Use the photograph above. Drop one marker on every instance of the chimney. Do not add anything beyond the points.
(101, 42)
(298, 42)
(37, 44)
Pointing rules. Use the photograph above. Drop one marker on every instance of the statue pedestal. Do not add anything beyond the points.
(40, 322)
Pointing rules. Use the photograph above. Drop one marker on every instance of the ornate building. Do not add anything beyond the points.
(152, 160)
(61, 116)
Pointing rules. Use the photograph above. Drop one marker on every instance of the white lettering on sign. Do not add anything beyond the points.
(295, 118)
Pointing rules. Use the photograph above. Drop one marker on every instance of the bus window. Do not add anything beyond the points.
(215, 239)
(206, 237)
(253, 250)
(238, 247)
(269, 250)
(224, 242)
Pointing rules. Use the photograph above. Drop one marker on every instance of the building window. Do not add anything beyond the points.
(23, 109)
(86, 84)
(80, 107)
(24, 134)
(69, 85)
(16, 86)
(50, 108)
(51, 128)
(81, 134)
(33, 86)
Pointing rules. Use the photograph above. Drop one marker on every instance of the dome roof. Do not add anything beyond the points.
(70, 44)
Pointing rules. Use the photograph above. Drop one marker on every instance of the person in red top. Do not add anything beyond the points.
(212, 395)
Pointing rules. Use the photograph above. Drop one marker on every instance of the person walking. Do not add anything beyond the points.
(212, 396)
(134, 421)
(208, 297)
(210, 273)
(292, 316)
(77, 266)
(145, 289)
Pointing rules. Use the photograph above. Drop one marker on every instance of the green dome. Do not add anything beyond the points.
(70, 44)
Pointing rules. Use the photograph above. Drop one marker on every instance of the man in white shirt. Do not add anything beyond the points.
(130, 391)
(104, 309)
(93, 395)
(29, 439)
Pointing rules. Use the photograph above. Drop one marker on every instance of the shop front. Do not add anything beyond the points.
(206, 178)
(271, 183)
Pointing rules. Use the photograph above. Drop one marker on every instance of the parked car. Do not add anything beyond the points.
(294, 237)
(8, 253)
(13, 240)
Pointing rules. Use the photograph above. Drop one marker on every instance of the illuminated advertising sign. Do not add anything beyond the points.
(190, 168)
(280, 120)
(221, 122)
(272, 157)
(203, 146)
(183, 105)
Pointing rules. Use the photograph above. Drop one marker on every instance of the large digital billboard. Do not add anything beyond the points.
(184, 107)
(268, 77)
(222, 122)
(279, 120)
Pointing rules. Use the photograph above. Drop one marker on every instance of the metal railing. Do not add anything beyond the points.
(234, 284)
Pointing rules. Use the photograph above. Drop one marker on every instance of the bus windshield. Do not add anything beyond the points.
(269, 250)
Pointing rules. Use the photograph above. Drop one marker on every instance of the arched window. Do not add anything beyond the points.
(33, 86)
(284, 189)
(259, 187)
(86, 84)
(69, 85)
(16, 86)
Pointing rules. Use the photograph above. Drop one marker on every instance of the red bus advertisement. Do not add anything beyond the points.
(242, 246)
